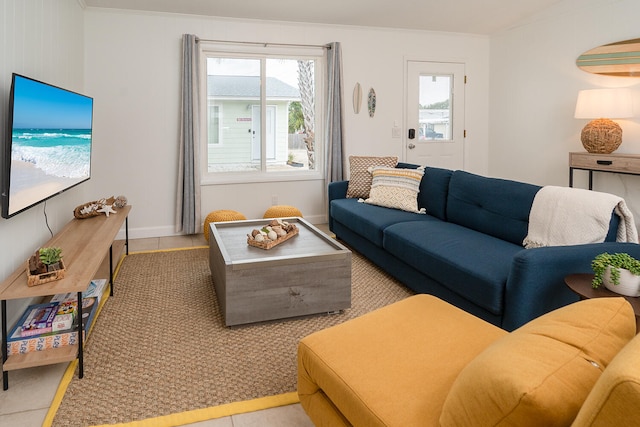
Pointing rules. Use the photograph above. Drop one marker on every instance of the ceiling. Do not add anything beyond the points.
(460, 16)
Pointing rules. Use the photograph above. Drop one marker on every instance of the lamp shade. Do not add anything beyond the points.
(604, 103)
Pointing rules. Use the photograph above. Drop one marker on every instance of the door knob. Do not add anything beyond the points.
(412, 146)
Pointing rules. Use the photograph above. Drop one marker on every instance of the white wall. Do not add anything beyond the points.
(133, 71)
(534, 86)
(43, 40)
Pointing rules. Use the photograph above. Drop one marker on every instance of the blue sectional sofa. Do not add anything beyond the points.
(468, 248)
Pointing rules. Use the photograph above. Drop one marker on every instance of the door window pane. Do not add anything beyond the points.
(435, 107)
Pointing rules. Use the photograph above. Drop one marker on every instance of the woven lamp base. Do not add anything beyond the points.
(601, 136)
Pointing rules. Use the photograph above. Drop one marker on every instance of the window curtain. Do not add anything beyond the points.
(335, 140)
(188, 217)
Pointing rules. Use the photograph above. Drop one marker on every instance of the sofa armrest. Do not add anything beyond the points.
(536, 285)
(336, 190)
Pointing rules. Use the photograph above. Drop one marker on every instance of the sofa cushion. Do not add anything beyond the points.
(493, 206)
(395, 188)
(369, 221)
(540, 374)
(359, 175)
(472, 264)
(615, 399)
(434, 189)
(389, 367)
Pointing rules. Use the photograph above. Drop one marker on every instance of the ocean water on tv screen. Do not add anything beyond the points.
(62, 153)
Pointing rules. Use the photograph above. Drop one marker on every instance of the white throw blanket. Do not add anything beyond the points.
(563, 216)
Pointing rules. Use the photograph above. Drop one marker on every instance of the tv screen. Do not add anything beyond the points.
(48, 149)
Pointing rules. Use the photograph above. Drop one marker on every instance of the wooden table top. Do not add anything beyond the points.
(581, 285)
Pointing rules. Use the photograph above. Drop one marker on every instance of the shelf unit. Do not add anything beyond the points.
(85, 243)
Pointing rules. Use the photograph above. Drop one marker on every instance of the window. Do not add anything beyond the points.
(435, 107)
(263, 115)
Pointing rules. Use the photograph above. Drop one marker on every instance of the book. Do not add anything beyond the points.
(62, 322)
(38, 319)
(67, 307)
(96, 289)
(17, 344)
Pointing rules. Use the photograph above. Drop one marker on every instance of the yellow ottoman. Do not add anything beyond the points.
(219, 216)
(281, 211)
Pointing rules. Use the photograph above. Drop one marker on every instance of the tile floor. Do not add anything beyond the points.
(31, 391)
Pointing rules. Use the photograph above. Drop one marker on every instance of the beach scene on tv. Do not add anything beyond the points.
(51, 142)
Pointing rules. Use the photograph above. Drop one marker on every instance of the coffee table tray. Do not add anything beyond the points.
(271, 243)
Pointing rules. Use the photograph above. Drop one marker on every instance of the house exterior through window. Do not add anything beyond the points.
(262, 115)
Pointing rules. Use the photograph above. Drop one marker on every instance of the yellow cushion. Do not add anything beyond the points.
(282, 211)
(391, 367)
(220, 216)
(615, 399)
(540, 374)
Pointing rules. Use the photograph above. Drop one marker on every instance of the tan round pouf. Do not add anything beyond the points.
(219, 216)
(282, 211)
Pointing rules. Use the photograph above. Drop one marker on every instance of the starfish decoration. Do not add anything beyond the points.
(107, 209)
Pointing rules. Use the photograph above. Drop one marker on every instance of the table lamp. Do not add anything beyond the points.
(603, 135)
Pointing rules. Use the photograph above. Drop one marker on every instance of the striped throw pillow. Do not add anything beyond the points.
(396, 188)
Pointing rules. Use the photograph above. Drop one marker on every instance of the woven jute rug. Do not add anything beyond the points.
(159, 351)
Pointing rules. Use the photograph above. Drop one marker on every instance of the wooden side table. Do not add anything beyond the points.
(581, 285)
(628, 164)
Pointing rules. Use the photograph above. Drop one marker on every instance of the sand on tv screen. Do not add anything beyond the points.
(49, 145)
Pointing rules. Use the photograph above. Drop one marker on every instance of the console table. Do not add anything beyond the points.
(84, 243)
(614, 163)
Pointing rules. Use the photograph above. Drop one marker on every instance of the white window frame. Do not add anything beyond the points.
(230, 50)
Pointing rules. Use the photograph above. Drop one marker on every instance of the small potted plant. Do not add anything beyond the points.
(45, 265)
(51, 257)
(618, 272)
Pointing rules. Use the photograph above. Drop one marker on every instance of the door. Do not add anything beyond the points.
(270, 132)
(435, 114)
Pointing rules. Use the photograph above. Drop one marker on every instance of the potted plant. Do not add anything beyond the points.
(45, 265)
(618, 272)
(51, 257)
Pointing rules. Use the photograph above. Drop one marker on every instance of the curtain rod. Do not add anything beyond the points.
(324, 46)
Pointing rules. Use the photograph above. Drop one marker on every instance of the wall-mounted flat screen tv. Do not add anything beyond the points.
(48, 147)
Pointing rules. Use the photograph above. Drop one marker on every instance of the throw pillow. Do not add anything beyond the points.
(395, 188)
(359, 175)
(541, 373)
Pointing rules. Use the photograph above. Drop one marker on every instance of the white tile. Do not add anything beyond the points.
(199, 240)
(138, 245)
(176, 242)
(219, 422)
(24, 419)
(283, 416)
(32, 388)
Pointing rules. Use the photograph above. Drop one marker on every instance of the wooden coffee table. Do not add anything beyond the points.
(581, 285)
(308, 274)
